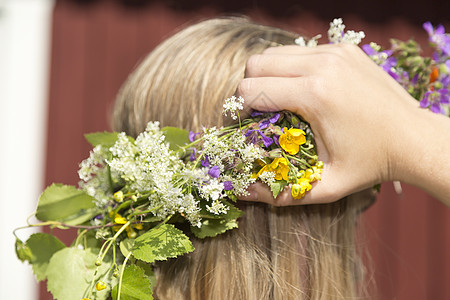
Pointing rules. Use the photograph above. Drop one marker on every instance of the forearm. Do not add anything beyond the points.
(423, 154)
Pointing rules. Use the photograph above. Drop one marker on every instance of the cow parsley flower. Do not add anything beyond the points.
(232, 105)
(337, 35)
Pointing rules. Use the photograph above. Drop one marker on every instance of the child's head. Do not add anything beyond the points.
(304, 252)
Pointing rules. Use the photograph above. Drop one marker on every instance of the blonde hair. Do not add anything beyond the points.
(304, 252)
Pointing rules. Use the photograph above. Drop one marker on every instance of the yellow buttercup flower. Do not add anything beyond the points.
(280, 166)
(118, 219)
(291, 140)
(299, 189)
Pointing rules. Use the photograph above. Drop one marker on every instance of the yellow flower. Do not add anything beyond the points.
(118, 219)
(299, 189)
(280, 166)
(118, 196)
(100, 286)
(291, 140)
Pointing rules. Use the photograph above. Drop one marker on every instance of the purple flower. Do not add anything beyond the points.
(227, 185)
(194, 153)
(193, 135)
(390, 62)
(435, 99)
(272, 120)
(266, 140)
(256, 113)
(214, 172)
(445, 81)
(253, 137)
(368, 49)
(437, 36)
(205, 162)
(275, 139)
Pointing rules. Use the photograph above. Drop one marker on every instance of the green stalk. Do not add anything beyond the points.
(119, 289)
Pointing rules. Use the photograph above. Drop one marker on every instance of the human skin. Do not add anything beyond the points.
(367, 128)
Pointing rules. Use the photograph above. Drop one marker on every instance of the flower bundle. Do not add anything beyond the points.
(138, 198)
(427, 79)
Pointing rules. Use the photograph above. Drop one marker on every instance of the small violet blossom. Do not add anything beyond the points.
(272, 120)
(205, 162)
(437, 36)
(435, 100)
(267, 141)
(214, 172)
(227, 185)
(193, 135)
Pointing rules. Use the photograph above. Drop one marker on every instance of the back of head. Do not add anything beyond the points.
(304, 252)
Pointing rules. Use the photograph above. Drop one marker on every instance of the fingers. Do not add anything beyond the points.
(280, 65)
(271, 94)
(329, 189)
(299, 50)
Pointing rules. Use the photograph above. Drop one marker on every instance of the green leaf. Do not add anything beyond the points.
(277, 187)
(213, 227)
(232, 213)
(23, 252)
(70, 273)
(65, 203)
(106, 139)
(160, 243)
(81, 217)
(126, 246)
(135, 285)
(42, 247)
(176, 137)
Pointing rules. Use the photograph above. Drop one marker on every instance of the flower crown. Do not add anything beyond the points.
(133, 192)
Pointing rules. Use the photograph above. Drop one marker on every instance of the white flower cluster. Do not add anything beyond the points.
(232, 154)
(312, 42)
(267, 177)
(233, 104)
(94, 176)
(337, 35)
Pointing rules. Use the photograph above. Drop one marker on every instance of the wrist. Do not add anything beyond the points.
(420, 155)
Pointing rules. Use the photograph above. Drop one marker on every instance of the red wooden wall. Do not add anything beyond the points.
(96, 44)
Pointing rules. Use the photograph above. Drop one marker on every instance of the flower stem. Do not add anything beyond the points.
(119, 289)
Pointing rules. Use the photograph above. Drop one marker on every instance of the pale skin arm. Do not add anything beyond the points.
(368, 129)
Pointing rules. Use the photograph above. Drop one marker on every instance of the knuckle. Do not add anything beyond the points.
(253, 64)
(244, 87)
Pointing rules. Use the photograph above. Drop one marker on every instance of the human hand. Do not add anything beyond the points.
(357, 112)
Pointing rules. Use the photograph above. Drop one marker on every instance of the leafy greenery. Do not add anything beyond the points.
(136, 285)
(42, 247)
(23, 252)
(105, 139)
(71, 271)
(160, 243)
(277, 187)
(176, 137)
(65, 204)
(213, 227)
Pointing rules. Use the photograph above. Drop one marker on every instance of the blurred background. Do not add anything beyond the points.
(63, 61)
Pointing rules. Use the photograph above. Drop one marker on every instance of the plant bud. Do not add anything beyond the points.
(98, 262)
(295, 121)
(100, 286)
(118, 196)
(275, 153)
